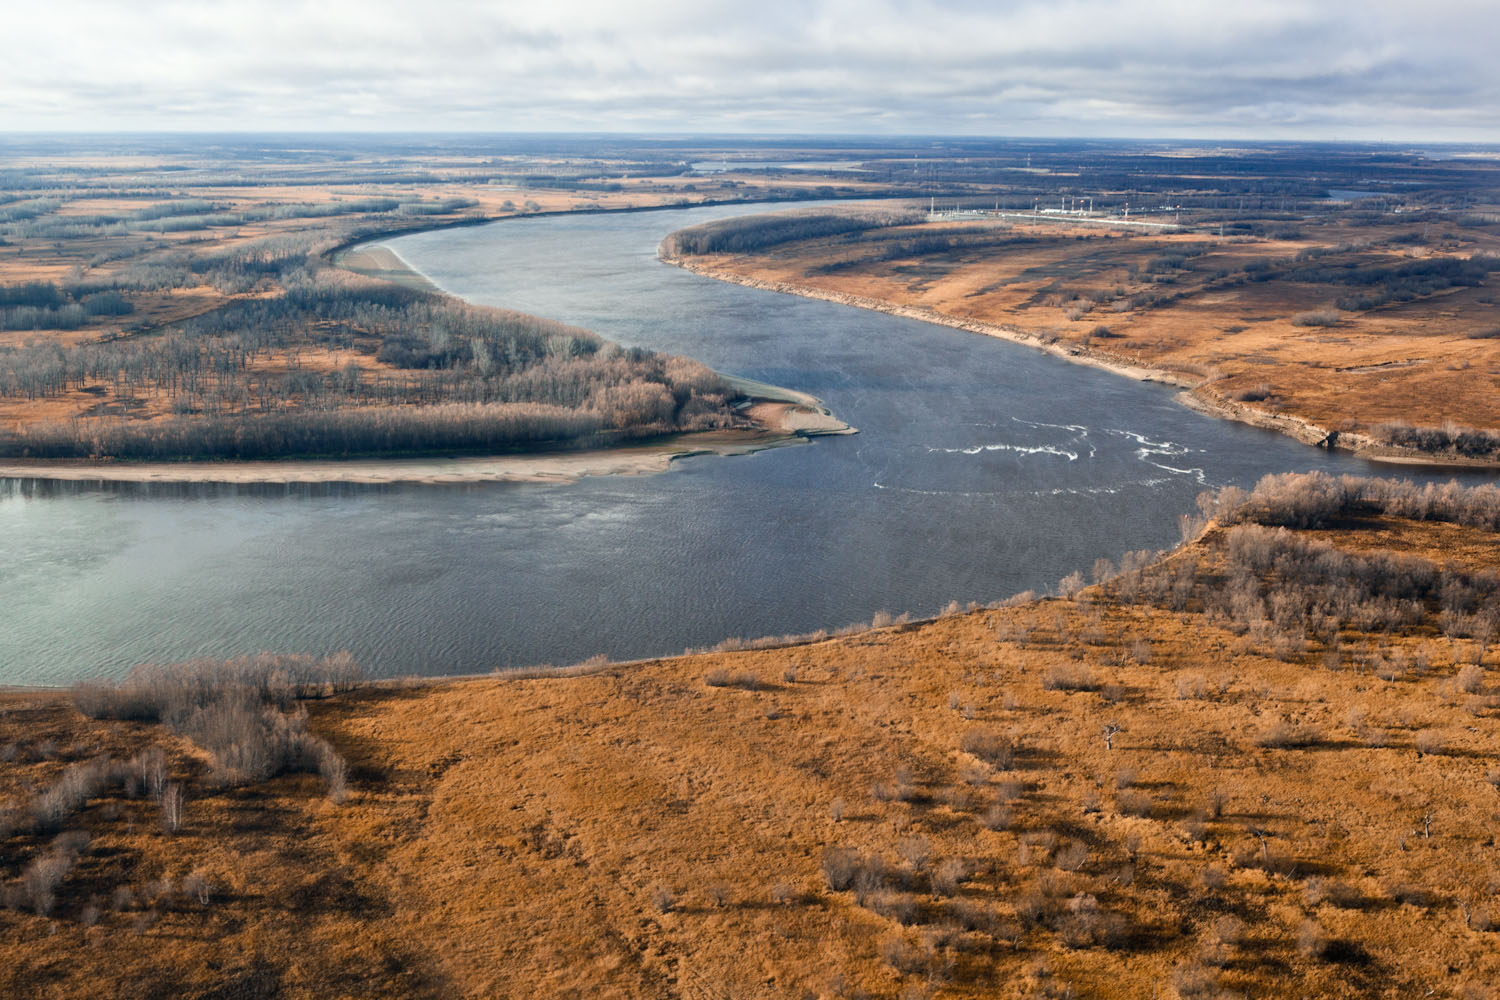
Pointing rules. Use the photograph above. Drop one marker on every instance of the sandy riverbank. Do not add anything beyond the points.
(781, 423)
(1195, 392)
(510, 468)
(379, 261)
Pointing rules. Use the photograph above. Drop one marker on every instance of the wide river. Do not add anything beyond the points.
(981, 468)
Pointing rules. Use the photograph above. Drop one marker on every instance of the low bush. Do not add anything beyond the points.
(990, 747)
(1283, 735)
(1069, 677)
(723, 677)
(1316, 317)
(840, 866)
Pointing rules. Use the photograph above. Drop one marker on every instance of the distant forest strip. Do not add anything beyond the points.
(416, 372)
(757, 232)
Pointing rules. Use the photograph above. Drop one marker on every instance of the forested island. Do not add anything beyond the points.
(322, 363)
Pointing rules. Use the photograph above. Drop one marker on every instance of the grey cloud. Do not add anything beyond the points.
(1116, 67)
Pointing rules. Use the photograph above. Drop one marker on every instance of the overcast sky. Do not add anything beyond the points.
(1312, 69)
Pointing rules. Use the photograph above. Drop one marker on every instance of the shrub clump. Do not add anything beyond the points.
(243, 712)
(989, 746)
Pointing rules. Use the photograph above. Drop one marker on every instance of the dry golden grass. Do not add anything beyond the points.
(1264, 827)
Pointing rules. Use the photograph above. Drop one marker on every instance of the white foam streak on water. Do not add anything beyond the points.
(1196, 473)
(1078, 429)
(1150, 450)
(1021, 449)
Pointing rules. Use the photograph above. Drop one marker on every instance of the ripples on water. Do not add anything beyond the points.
(983, 468)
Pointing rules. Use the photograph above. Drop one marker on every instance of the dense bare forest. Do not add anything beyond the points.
(757, 232)
(320, 362)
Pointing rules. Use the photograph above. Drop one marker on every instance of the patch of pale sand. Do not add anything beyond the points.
(790, 418)
(543, 468)
(375, 260)
(780, 423)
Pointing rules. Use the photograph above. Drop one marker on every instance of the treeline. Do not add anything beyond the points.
(456, 427)
(34, 219)
(42, 305)
(1315, 500)
(1399, 282)
(1451, 439)
(756, 232)
(887, 244)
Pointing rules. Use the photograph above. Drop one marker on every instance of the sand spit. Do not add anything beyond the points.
(784, 423)
(515, 469)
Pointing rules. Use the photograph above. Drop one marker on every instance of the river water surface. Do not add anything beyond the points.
(982, 468)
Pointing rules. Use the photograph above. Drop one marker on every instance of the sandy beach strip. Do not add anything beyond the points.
(782, 424)
(376, 260)
(543, 468)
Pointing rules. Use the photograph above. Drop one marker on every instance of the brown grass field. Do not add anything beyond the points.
(1257, 825)
(1243, 345)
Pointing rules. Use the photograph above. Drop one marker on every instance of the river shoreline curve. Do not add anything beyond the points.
(1193, 394)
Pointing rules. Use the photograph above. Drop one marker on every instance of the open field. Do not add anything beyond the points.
(1264, 765)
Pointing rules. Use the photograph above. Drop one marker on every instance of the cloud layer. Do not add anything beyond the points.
(1275, 68)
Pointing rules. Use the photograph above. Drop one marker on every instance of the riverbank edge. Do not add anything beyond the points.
(541, 467)
(1194, 394)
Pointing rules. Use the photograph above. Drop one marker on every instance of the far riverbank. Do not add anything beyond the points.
(1194, 394)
